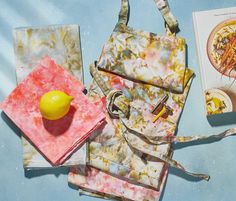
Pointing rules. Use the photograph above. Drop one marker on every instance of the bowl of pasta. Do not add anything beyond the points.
(221, 47)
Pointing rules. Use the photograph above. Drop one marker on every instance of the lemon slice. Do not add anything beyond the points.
(55, 104)
(217, 102)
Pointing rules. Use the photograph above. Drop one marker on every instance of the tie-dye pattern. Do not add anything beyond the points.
(138, 56)
(144, 56)
(109, 186)
(109, 150)
(62, 43)
(55, 140)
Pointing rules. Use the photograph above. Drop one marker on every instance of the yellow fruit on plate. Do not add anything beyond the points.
(55, 104)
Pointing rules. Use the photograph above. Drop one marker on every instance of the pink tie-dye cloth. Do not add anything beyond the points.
(56, 140)
(97, 181)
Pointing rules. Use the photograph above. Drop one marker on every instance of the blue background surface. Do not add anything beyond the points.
(97, 19)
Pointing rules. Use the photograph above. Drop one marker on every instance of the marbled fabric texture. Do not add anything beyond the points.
(108, 186)
(62, 43)
(144, 67)
(109, 150)
(55, 140)
(144, 56)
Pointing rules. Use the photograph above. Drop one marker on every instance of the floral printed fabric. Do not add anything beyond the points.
(139, 57)
(62, 43)
(131, 162)
(55, 140)
(96, 181)
(144, 56)
(170, 20)
(157, 60)
(110, 151)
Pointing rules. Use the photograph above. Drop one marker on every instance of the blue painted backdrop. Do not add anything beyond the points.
(97, 19)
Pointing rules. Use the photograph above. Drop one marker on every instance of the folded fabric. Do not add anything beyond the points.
(157, 60)
(109, 149)
(33, 159)
(61, 43)
(95, 181)
(56, 140)
(144, 56)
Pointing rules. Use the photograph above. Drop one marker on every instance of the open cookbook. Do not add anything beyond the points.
(215, 32)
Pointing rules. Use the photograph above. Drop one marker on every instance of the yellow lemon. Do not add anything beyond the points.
(54, 104)
(217, 102)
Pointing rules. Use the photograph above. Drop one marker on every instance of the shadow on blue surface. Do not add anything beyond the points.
(11, 124)
(73, 186)
(222, 119)
(180, 173)
(41, 172)
(210, 140)
(24, 9)
(7, 29)
(9, 69)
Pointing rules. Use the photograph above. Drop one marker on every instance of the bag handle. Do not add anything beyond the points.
(171, 23)
(124, 13)
(162, 5)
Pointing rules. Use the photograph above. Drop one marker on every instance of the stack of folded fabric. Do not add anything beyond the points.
(55, 140)
(62, 44)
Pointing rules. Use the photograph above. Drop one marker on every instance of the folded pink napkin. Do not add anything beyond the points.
(56, 140)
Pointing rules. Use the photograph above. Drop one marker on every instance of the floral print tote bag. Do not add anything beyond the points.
(147, 57)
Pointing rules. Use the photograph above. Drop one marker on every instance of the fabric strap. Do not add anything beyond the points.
(97, 77)
(157, 140)
(131, 135)
(115, 98)
(169, 18)
(124, 13)
(163, 7)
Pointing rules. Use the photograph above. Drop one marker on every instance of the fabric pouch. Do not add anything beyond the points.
(146, 57)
